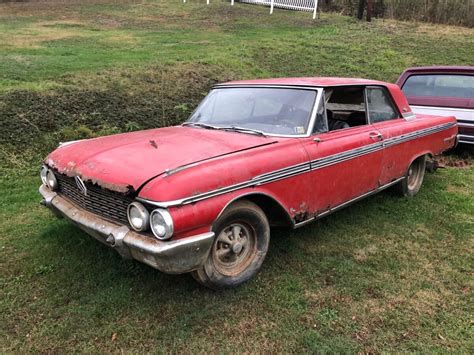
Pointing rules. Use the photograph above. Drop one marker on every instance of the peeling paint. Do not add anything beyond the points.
(71, 171)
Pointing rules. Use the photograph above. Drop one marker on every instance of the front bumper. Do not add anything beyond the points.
(172, 257)
(466, 139)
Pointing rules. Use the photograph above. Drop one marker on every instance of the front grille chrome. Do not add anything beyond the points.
(105, 203)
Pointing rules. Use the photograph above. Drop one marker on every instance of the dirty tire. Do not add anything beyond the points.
(410, 186)
(239, 248)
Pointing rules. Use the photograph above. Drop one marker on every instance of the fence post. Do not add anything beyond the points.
(271, 6)
(315, 8)
(232, 3)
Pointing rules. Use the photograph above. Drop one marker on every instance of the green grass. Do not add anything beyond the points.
(386, 274)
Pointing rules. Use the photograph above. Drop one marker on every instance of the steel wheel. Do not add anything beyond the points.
(413, 180)
(233, 248)
(242, 239)
(413, 175)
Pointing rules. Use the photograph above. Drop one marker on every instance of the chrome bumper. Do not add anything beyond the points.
(172, 257)
(465, 139)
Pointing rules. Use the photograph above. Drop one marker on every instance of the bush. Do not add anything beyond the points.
(454, 12)
(115, 102)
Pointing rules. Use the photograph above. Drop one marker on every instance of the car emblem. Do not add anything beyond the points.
(80, 185)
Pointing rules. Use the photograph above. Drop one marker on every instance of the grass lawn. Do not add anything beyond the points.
(386, 274)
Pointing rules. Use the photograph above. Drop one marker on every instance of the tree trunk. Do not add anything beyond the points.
(360, 12)
(370, 9)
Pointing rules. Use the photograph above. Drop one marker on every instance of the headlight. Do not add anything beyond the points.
(138, 216)
(48, 178)
(43, 172)
(161, 224)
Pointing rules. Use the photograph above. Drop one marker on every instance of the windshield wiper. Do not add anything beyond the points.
(199, 124)
(231, 128)
(243, 130)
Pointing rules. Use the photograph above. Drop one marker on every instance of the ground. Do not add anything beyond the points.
(386, 274)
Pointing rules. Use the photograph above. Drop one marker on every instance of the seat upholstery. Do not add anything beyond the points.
(334, 124)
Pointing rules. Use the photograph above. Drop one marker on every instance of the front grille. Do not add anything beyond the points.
(109, 204)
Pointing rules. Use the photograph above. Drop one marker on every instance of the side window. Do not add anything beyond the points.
(321, 124)
(380, 105)
(345, 107)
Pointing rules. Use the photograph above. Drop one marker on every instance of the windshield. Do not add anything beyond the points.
(277, 111)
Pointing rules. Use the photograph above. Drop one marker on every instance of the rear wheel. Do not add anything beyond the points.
(413, 180)
(240, 246)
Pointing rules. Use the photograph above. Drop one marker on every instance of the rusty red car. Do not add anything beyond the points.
(201, 197)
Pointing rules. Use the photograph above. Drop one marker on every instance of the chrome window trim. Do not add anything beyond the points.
(408, 116)
(307, 88)
(302, 168)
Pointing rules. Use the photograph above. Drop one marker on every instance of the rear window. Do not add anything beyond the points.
(440, 85)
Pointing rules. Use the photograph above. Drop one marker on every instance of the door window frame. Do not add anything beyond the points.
(390, 98)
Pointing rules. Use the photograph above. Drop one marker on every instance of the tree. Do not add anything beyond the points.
(370, 9)
(360, 12)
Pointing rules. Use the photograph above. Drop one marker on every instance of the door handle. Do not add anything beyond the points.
(376, 136)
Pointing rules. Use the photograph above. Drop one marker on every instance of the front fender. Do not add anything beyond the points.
(200, 216)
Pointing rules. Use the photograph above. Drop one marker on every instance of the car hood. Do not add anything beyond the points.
(125, 162)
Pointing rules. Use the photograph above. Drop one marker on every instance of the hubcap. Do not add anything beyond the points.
(234, 248)
(413, 173)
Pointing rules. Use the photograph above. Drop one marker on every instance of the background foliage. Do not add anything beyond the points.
(455, 12)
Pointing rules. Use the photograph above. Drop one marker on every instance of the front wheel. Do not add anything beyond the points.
(413, 180)
(241, 244)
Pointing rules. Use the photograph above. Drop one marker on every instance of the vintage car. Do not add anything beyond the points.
(442, 91)
(201, 197)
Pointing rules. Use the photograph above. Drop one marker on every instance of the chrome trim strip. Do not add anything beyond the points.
(417, 134)
(302, 168)
(462, 124)
(465, 139)
(347, 203)
(408, 116)
(442, 108)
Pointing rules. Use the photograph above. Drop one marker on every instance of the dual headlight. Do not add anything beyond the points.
(159, 220)
(48, 178)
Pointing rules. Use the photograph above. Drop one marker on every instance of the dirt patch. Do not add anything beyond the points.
(363, 254)
(459, 190)
(453, 161)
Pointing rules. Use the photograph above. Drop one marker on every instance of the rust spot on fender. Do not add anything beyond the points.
(301, 214)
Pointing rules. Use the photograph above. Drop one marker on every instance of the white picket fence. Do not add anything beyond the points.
(298, 5)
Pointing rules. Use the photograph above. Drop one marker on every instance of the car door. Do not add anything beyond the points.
(386, 118)
(345, 163)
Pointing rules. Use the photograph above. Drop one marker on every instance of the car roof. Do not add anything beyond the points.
(315, 81)
(441, 69)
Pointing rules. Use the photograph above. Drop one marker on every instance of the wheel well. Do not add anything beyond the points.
(275, 212)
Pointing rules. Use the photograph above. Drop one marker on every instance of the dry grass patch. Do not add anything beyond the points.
(35, 34)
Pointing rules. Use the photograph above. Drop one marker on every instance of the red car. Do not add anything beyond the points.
(201, 197)
(447, 91)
